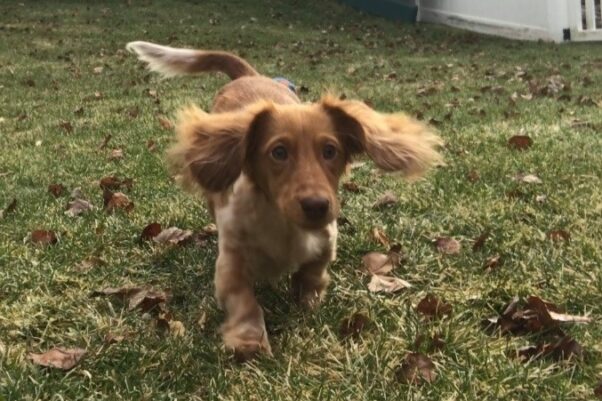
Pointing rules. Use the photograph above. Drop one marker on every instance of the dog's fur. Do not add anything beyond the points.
(269, 168)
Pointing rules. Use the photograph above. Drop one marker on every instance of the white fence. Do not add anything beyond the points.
(554, 20)
(585, 19)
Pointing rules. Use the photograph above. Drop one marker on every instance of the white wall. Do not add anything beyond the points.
(519, 19)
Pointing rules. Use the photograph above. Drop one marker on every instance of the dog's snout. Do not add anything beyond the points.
(315, 207)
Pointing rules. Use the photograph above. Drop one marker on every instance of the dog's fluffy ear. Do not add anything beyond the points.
(210, 150)
(395, 142)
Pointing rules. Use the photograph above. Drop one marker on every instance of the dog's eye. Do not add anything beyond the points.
(279, 153)
(329, 152)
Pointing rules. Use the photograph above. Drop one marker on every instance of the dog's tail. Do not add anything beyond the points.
(169, 61)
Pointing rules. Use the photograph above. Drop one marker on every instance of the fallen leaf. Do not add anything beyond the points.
(172, 235)
(520, 142)
(416, 368)
(78, 206)
(98, 70)
(152, 93)
(351, 186)
(165, 123)
(89, 263)
(114, 183)
(176, 328)
(528, 178)
(473, 176)
(79, 111)
(116, 154)
(9, 208)
(105, 141)
(385, 200)
(480, 241)
(150, 231)
(493, 262)
(66, 125)
(151, 145)
(59, 358)
(43, 237)
(559, 348)
(144, 299)
(353, 325)
(210, 229)
(434, 308)
(117, 200)
(111, 338)
(133, 112)
(147, 299)
(559, 235)
(56, 190)
(379, 283)
(598, 390)
(380, 236)
(531, 316)
(447, 245)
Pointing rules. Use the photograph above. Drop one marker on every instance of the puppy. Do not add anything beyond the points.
(269, 167)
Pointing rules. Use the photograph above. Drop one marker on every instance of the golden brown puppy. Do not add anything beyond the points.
(269, 167)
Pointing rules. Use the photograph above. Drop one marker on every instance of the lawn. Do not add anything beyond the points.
(75, 107)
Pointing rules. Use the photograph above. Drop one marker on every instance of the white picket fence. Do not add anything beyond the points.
(585, 19)
(555, 20)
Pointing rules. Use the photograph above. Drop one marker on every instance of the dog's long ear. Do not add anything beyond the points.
(211, 147)
(395, 142)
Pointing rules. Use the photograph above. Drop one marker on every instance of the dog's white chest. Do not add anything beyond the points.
(270, 246)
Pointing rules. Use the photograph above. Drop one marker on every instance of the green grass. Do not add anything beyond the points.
(48, 53)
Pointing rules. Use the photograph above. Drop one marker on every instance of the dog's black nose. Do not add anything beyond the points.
(315, 207)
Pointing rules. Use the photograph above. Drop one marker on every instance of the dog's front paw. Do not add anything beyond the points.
(246, 340)
(308, 291)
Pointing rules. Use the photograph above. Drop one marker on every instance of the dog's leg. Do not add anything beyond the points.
(244, 329)
(308, 284)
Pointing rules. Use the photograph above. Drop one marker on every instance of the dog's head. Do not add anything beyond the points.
(296, 154)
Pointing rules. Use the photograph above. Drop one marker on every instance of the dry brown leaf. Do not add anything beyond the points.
(447, 245)
(165, 123)
(473, 176)
(114, 183)
(12, 205)
(43, 237)
(380, 236)
(385, 200)
(56, 190)
(377, 263)
(172, 235)
(116, 154)
(117, 200)
(598, 390)
(433, 307)
(559, 235)
(151, 145)
(379, 283)
(520, 142)
(147, 299)
(66, 125)
(105, 141)
(492, 262)
(416, 368)
(351, 187)
(78, 206)
(151, 231)
(528, 178)
(353, 325)
(111, 338)
(59, 358)
(560, 347)
(480, 241)
(532, 316)
(176, 328)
